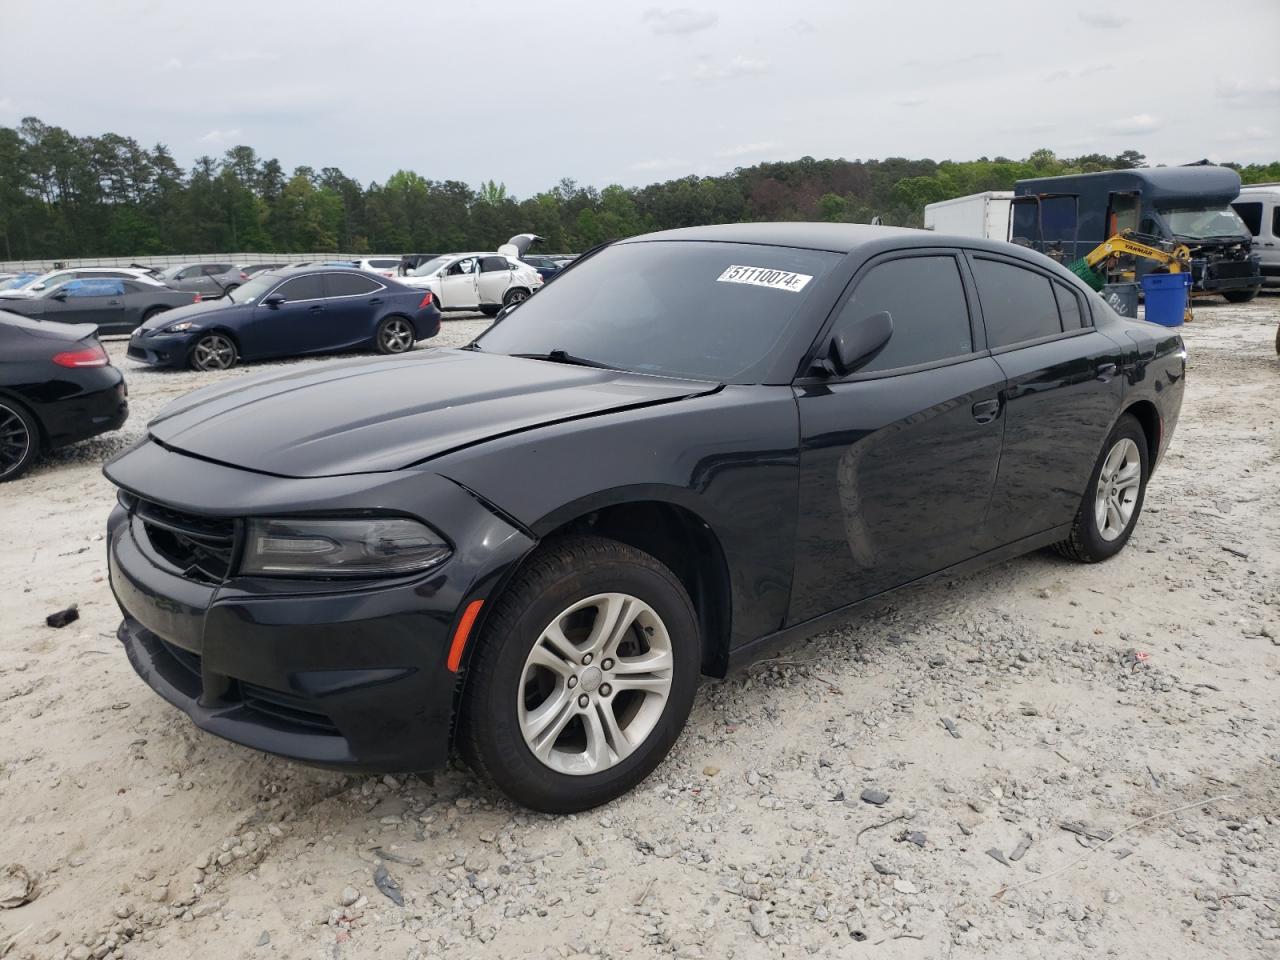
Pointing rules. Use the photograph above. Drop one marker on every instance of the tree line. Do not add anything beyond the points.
(67, 196)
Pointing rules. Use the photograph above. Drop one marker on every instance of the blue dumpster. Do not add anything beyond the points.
(1166, 296)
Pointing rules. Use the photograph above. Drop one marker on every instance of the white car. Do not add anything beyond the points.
(35, 286)
(485, 281)
(382, 266)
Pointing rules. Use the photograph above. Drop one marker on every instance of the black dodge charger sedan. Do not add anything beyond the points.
(691, 446)
(57, 386)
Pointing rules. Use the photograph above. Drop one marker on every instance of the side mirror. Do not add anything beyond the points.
(38, 286)
(60, 295)
(853, 347)
(273, 301)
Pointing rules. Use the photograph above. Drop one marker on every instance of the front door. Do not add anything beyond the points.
(1063, 391)
(298, 325)
(494, 280)
(458, 284)
(88, 301)
(897, 460)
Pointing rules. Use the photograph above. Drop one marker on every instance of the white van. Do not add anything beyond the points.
(1259, 207)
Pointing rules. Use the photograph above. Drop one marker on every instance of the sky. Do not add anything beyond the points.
(607, 92)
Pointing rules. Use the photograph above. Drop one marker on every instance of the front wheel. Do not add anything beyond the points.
(395, 335)
(1113, 499)
(583, 677)
(1240, 296)
(214, 351)
(490, 310)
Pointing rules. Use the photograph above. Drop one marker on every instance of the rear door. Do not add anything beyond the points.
(494, 279)
(897, 460)
(296, 326)
(1063, 391)
(458, 284)
(351, 302)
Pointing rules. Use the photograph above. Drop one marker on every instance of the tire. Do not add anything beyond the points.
(515, 295)
(1239, 296)
(490, 311)
(214, 351)
(395, 335)
(507, 683)
(1092, 539)
(19, 440)
(151, 314)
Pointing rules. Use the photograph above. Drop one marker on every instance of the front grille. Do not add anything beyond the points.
(202, 548)
(1226, 269)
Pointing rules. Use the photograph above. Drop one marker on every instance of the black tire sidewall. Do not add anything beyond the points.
(235, 354)
(35, 439)
(505, 755)
(1090, 538)
(378, 343)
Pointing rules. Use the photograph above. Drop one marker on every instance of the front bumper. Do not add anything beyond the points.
(347, 675)
(160, 351)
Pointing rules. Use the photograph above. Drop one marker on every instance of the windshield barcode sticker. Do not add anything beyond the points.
(764, 277)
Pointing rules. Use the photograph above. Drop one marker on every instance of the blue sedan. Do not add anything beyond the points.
(287, 313)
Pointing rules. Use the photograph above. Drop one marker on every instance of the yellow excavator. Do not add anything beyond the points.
(1101, 264)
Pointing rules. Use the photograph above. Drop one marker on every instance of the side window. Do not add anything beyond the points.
(1275, 221)
(190, 273)
(58, 278)
(213, 269)
(349, 284)
(463, 267)
(302, 288)
(1069, 307)
(926, 298)
(94, 288)
(494, 264)
(1251, 214)
(1017, 304)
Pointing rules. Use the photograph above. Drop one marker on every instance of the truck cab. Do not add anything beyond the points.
(1066, 217)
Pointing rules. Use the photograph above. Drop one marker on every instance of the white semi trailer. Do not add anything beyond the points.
(977, 215)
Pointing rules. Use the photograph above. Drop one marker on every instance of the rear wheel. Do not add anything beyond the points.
(490, 310)
(214, 351)
(583, 678)
(395, 335)
(19, 440)
(1240, 296)
(1113, 499)
(152, 313)
(518, 295)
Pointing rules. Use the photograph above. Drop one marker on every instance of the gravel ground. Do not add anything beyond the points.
(870, 793)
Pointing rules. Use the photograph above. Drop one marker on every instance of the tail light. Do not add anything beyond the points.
(243, 275)
(196, 298)
(426, 300)
(93, 356)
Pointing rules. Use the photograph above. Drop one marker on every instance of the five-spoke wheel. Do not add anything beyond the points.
(395, 335)
(213, 351)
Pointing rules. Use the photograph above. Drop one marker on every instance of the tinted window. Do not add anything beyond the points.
(930, 317)
(668, 307)
(212, 269)
(384, 264)
(1017, 304)
(349, 284)
(1275, 222)
(1251, 214)
(303, 288)
(1069, 307)
(493, 264)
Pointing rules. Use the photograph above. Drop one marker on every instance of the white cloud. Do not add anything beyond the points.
(1105, 19)
(220, 136)
(173, 63)
(1248, 133)
(909, 102)
(1234, 88)
(6, 104)
(737, 67)
(748, 149)
(1138, 123)
(675, 21)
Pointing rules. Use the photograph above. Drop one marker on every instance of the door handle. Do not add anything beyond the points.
(317, 308)
(376, 300)
(113, 303)
(984, 411)
(1106, 371)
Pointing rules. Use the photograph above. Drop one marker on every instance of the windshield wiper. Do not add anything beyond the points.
(560, 356)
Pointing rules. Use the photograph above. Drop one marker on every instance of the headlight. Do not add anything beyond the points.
(182, 326)
(372, 547)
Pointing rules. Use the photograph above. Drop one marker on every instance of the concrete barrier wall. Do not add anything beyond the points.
(43, 266)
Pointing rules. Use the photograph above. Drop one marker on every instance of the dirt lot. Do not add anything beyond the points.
(1135, 700)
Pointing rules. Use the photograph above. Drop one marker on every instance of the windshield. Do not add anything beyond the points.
(1202, 223)
(18, 282)
(703, 310)
(428, 268)
(172, 272)
(253, 288)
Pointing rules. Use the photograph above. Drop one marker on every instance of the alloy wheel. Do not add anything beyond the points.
(595, 684)
(517, 296)
(15, 440)
(214, 352)
(397, 336)
(1119, 482)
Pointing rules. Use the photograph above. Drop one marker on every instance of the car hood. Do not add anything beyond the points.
(391, 413)
(193, 311)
